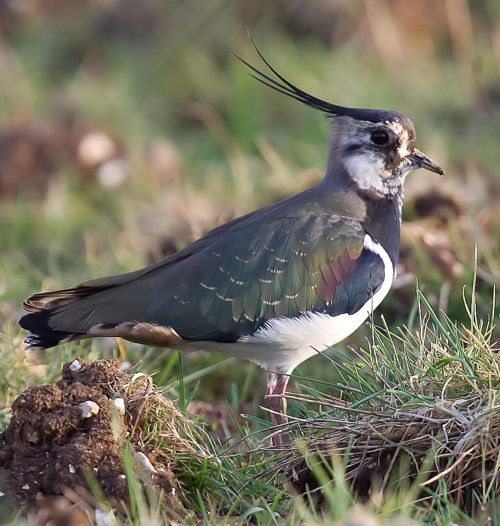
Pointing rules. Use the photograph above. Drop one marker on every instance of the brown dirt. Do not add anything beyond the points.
(51, 448)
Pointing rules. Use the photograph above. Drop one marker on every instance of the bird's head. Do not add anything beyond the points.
(375, 147)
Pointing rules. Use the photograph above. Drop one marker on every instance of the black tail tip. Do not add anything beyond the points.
(41, 335)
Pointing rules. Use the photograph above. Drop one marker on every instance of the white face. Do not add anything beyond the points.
(367, 169)
(376, 155)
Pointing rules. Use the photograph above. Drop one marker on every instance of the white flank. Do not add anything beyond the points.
(282, 343)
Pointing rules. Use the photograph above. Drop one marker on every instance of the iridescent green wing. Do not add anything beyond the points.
(256, 272)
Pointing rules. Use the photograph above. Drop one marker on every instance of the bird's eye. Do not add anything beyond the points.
(380, 137)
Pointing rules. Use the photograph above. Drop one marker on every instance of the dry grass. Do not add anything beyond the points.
(421, 416)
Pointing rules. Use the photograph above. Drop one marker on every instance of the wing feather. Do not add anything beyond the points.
(288, 269)
(231, 282)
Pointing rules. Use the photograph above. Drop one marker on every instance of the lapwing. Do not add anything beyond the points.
(275, 286)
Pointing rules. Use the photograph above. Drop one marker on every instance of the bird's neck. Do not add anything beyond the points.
(379, 215)
(383, 222)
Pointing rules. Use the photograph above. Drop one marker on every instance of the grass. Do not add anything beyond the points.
(241, 146)
(411, 437)
(416, 420)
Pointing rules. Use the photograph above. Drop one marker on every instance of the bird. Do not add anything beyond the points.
(275, 286)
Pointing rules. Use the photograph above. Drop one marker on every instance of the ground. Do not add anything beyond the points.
(65, 437)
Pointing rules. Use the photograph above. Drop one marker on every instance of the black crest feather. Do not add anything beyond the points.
(282, 85)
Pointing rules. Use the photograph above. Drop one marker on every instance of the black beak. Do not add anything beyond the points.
(420, 160)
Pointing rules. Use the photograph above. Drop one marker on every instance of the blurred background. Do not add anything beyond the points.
(128, 129)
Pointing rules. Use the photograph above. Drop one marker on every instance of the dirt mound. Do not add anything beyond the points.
(65, 437)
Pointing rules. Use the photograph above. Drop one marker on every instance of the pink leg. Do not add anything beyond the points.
(275, 401)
